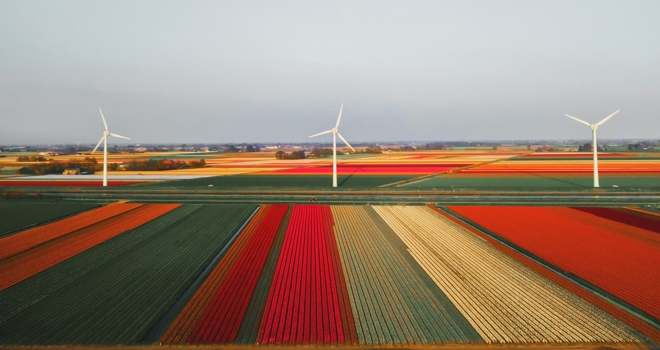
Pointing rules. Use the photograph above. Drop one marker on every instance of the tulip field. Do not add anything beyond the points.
(605, 250)
(19, 216)
(328, 275)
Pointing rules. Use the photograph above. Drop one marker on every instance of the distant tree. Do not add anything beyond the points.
(494, 148)
(372, 149)
(434, 146)
(198, 164)
(279, 155)
(298, 155)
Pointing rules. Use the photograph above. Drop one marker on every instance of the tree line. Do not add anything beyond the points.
(163, 164)
(87, 165)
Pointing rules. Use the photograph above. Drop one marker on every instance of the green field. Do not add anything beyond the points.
(539, 183)
(16, 216)
(275, 182)
(116, 293)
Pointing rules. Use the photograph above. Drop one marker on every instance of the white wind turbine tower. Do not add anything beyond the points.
(104, 139)
(594, 145)
(335, 133)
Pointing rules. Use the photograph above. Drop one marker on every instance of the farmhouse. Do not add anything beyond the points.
(14, 170)
(71, 171)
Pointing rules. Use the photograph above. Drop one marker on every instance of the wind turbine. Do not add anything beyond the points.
(104, 139)
(335, 133)
(594, 145)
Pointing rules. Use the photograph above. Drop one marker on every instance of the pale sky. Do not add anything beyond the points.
(269, 71)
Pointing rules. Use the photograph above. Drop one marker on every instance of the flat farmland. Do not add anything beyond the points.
(557, 172)
(527, 183)
(121, 300)
(458, 171)
(18, 216)
(615, 250)
(277, 182)
(207, 274)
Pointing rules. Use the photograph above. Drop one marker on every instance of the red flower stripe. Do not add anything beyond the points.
(364, 170)
(603, 254)
(222, 319)
(603, 304)
(303, 303)
(184, 324)
(65, 183)
(31, 238)
(19, 267)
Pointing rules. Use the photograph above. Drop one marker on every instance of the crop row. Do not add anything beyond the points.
(30, 262)
(504, 301)
(249, 330)
(606, 305)
(303, 302)
(20, 242)
(610, 255)
(222, 319)
(16, 216)
(390, 299)
(45, 284)
(182, 327)
(123, 299)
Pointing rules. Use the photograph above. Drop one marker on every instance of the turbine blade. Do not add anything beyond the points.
(119, 136)
(321, 133)
(578, 120)
(102, 117)
(339, 118)
(346, 142)
(608, 117)
(98, 144)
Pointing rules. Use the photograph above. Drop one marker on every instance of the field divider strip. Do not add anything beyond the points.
(426, 177)
(569, 276)
(38, 224)
(158, 329)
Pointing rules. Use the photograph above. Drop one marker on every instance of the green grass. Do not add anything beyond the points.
(115, 293)
(275, 182)
(540, 183)
(17, 216)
